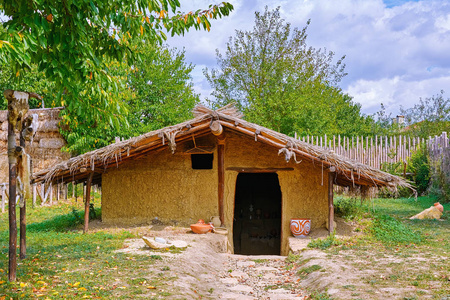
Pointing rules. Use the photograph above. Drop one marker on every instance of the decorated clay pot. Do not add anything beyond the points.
(300, 227)
(439, 206)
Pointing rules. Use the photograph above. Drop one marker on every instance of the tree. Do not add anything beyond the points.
(75, 42)
(162, 90)
(281, 83)
(157, 92)
(431, 116)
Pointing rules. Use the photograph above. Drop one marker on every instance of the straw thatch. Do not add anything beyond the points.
(348, 172)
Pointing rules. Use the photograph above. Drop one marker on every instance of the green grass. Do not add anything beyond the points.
(399, 252)
(63, 263)
(325, 243)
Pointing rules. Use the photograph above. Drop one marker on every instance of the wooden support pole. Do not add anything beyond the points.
(221, 176)
(3, 197)
(50, 190)
(331, 176)
(87, 202)
(12, 162)
(34, 194)
(23, 214)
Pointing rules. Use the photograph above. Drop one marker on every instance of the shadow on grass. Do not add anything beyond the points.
(61, 223)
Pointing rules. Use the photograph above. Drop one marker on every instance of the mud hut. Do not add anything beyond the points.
(218, 164)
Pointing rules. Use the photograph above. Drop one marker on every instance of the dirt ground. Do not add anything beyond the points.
(205, 271)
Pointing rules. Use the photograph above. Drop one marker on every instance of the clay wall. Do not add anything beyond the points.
(161, 185)
(47, 144)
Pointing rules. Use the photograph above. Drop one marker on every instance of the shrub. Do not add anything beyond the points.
(419, 166)
(347, 207)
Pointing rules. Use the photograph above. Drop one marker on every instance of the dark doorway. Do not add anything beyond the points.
(257, 214)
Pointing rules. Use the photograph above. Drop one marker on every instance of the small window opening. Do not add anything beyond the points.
(202, 161)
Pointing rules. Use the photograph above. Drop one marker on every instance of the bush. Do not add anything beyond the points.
(419, 166)
(347, 207)
(392, 232)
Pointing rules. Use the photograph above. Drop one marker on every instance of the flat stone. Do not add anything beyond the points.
(236, 296)
(229, 280)
(246, 263)
(280, 291)
(239, 274)
(266, 269)
(332, 291)
(269, 276)
(285, 297)
(242, 288)
(297, 244)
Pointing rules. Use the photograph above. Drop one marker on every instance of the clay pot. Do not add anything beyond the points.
(216, 221)
(300, 227)
(439, 206)
(201, 228)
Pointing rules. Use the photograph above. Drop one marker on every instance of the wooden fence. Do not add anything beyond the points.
(372, 151)
(46, 194)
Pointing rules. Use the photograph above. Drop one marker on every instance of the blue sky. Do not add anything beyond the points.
(396, 51)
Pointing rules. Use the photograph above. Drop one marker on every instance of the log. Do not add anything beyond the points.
(216, 128)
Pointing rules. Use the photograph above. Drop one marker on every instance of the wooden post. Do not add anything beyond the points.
(75, 186)
(3, 197)
(23, 215)
(331, 175)
(87, 202)
(50, 190)
(73, 189)
(12, 162)
(34, 195)
(221, 176)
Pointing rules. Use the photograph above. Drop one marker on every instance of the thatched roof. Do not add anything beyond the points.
(348, 172)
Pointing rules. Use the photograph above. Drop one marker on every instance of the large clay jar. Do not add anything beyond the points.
(216, 221)
(439, 206)
(300, 227)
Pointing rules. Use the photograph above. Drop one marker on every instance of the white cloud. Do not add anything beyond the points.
(394, 92)
(395, 53)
